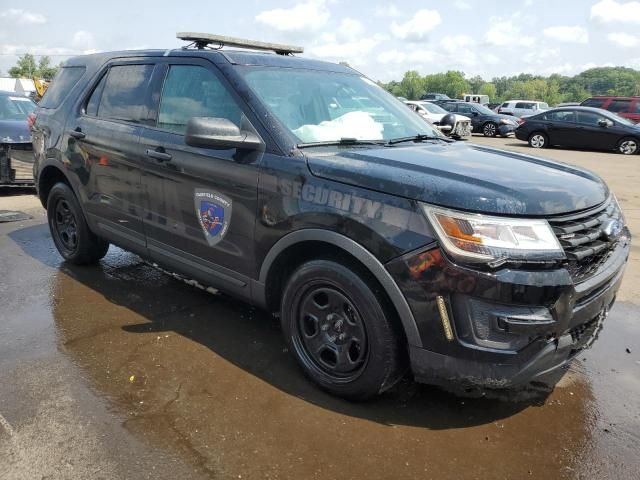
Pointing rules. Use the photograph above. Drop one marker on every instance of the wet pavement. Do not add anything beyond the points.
(121, 371)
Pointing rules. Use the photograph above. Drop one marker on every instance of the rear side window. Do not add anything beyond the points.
(63, 82)
(561, 116)
(594, 102)
(637, 107)
(619, 106)
(124, 93)
(192, 91)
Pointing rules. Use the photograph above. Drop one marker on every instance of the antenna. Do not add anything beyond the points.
(203, 40)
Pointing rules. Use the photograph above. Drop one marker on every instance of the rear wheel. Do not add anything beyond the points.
(339, 331)
(628, 146)
(538, 140)
(490, 129)
(69, 229)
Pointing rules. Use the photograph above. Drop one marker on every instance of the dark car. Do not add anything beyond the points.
(435, 96)
(16, 152)
(627, 107)
(306, 189)
(483, 120)
(580, 127)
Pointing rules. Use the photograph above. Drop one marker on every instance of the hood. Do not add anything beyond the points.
(14, 131)
(461, 118)
(465, 177)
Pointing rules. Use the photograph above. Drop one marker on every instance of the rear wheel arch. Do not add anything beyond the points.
(298, 247)
(48, 177)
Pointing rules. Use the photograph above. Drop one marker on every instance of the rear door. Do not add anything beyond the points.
(561, 128)
(102, 148)
(202, 202)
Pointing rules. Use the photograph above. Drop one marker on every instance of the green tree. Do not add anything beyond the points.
(26, 66)
(488, 89)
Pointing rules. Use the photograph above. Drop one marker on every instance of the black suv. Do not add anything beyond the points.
(304, 188)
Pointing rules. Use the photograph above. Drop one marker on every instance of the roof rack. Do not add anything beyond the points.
(202, 40)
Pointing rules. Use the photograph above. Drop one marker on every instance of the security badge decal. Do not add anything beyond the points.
(214, 214)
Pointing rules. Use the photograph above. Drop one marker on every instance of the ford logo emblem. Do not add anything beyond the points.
(611, 229)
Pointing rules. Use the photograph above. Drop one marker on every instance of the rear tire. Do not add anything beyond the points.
(490, 129)
(538, 140)
(628, 146)
(340, 332)
(69, 229)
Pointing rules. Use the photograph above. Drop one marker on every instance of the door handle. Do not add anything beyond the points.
(77, 134)
(158, 155)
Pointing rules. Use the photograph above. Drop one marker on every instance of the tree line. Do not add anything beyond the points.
(27, 67)
(553, 89)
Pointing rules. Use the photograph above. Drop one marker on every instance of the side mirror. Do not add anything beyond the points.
(213, 132)
(474, 113)
(605, 123)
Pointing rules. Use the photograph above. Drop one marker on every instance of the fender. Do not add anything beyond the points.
(357, 251)
(52, 162)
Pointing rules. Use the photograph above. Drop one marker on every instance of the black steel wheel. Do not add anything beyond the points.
(341, 332)
(69, 230)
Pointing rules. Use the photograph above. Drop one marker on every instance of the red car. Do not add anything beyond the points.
(627, 107)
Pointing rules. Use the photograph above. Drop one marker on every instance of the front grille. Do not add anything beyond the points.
(583, 240)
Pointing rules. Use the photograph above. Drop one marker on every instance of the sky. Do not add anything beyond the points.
(382, 39)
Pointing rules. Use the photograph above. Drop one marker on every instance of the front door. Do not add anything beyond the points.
(593, 134)
(202, 202)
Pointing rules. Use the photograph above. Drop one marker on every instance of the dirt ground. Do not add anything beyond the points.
(120, 371)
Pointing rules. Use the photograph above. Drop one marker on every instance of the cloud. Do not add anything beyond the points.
(567, 34)
(396, 56)
(506, 32)
(462, 5)
(84, 41)
(456, 43)
(388, 11)
(309, 15)
(611, 11)
(624, 39)
(417, 29)
(351, 29)
(354, 50)
(22, 17)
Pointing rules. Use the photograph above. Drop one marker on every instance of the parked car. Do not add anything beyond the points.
(567, 104)
(382, 245)
(581, 127)
(435, 96)
(459, 128)
(473, 98)
(16, 152)
(627, 107)
(522, 108)
(483, 120)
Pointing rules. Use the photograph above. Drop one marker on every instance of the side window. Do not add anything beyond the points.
(637, 107)
(62, 83)
(449, 106)
(464, 109)
(619, 106)
(594, 102)
(521, 105)
(588, 118)
(505, 105)
(560, 116)
(94, 100)
(192, 91)
(124, 92)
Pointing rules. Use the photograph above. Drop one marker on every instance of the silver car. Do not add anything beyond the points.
(522, 108)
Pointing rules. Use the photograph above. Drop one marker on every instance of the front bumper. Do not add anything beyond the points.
(506, 130)
(509, 326)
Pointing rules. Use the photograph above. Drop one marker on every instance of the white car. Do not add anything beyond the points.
(522, 108)
(435, 114)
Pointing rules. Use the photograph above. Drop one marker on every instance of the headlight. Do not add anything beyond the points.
(505, 121)
(493, 240)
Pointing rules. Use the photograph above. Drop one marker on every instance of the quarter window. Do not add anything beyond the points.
(62, 83)
(124, 93)
(619, 106)
(560, 116)
(192, 91)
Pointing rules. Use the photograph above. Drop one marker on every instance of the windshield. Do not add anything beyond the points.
(484, 110)
(15, 108)
(321, 106)
(432, 107)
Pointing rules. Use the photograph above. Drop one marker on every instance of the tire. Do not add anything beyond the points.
(341, 334)
(628, 146)
(74, 240)
(538, 140)
(490, 129)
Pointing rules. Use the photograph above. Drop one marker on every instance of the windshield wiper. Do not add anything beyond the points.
(416, 138)
(342, 141)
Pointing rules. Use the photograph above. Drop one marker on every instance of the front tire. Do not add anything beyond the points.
(538, 140)
(490, 129)
(69, 229)
(340, 331)
(628, 146)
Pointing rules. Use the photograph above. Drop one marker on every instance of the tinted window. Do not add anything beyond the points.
(561, 116)
(62, 83)
(619, 106)
(588, 118)
(638, 107)
(124, 93)
(191, 91)
(465, 109)
(523, 105)
(594, 102)
(15, 107)
(449, 107)
(94, 101)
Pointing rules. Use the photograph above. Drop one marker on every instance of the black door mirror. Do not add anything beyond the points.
(213, 132)
(605, 123)
(474, 113)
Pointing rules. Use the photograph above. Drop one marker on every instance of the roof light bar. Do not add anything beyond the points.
(201, 40)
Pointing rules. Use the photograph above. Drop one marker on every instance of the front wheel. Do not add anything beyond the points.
(538, 140)
(628, 146)
(490, 129)
(340, 332)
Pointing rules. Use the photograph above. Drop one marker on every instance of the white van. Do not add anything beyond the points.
(481, 99)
